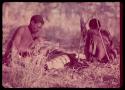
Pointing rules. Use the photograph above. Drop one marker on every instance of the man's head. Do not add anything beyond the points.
(36, 23)
(94, 23)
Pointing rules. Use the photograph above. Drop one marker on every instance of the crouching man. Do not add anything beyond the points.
(23, 39)
(99, 44)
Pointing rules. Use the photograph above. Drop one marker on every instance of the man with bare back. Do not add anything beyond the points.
(23, 38)
(99, 44)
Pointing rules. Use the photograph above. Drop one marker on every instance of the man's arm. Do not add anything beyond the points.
(6, 56)
(17, 37)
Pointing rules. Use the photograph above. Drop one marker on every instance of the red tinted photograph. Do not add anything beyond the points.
(61, 45)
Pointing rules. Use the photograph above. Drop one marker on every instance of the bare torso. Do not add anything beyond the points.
(23, 38)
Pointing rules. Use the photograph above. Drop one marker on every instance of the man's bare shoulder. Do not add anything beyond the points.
(22, 28)
(19, 31)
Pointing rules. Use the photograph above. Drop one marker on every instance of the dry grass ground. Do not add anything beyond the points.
(31, 74)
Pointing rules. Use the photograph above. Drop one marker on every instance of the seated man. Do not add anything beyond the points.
(97, 47)
(23, 38)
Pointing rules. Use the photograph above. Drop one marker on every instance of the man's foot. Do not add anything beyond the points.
(91, 59)
(103, 60)
(5, 61)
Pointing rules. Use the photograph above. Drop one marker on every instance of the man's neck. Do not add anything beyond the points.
(32, 33)
(30, 29)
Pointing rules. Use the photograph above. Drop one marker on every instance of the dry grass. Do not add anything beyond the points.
(31, 74)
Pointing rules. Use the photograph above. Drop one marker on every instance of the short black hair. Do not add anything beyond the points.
(94, 23)
(37, 19)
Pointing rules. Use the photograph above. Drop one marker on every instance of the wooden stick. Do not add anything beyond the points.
(81, 33)
(103, 42)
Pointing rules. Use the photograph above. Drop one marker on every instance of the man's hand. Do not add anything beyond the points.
(25, 52)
